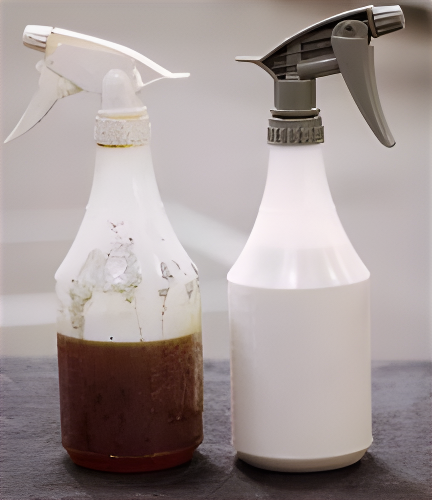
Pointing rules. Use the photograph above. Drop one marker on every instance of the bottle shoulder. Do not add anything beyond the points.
(298, 250)
(298, 268)
(129, 279)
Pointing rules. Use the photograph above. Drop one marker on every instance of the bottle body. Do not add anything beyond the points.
(299, 321)
(300, 375)
(129, 327)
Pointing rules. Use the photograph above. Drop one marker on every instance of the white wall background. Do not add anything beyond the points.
(210, 154)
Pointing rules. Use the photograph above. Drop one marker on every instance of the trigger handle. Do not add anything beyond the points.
(350, 43)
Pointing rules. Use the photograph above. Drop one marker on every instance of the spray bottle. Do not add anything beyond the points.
(129, 318)
(299, 293)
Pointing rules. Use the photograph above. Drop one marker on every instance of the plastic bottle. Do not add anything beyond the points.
(129, 322)
(299, 293)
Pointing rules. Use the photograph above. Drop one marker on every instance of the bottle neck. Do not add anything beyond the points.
(296, 180)
(123, 180)
(297, 240)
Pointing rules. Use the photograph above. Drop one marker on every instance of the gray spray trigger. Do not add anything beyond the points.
(355, 58)
(339, 44)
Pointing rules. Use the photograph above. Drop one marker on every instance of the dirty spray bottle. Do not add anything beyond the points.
(129, 319)
(299, 293)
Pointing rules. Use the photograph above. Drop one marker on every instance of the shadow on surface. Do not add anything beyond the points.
(36, 467)
(369, 478)
(181, 482)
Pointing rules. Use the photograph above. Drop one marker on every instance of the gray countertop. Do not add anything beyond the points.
(35, 466)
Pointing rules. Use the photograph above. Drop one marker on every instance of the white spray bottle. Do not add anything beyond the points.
(299, 293)
(129, 320)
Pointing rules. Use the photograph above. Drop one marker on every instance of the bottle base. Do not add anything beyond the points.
(111, 463)
(302, 465)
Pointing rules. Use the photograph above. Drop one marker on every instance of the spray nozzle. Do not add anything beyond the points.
(339, 44)
(118, 96)
(75, 62)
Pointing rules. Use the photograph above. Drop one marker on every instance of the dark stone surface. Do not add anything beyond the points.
(35, 466)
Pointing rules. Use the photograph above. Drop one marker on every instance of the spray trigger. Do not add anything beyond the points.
(355, 58)
(339, 44)
(51, 88)
(75, 62)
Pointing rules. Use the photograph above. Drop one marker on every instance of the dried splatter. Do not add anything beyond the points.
(118, 271)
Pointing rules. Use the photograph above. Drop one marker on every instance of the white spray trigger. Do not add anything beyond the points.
(75, 62)
(51, 88)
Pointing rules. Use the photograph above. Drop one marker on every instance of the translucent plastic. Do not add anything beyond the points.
(297, 240)
(118, 96)
(129, 324)
(126, 277)
(299, 321)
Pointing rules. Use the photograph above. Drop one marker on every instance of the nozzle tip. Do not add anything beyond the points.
(35, 37)
(388, 19)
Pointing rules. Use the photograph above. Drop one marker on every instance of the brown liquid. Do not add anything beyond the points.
(131, 406)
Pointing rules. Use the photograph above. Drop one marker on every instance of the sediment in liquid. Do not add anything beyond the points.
(131, 401)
